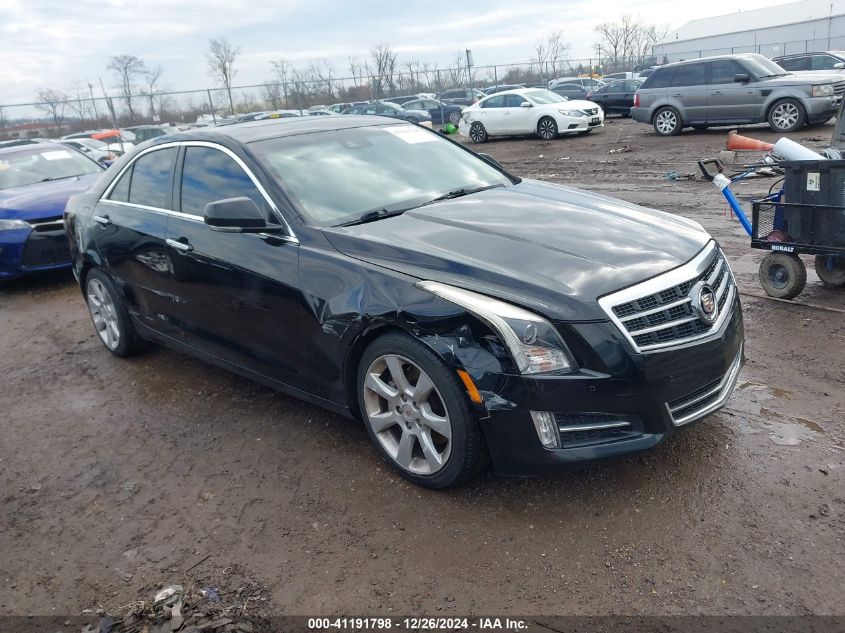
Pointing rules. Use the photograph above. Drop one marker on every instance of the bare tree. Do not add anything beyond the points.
(557, 49)
(271, 92)
(357, 71)
(282, 69)
(78, 102)
(53, 102)
(383, 68)
(323, 72)
(152, 77)
(455, 73)
(221, 64)
(627, 42)
(126, 68)
(541, 54)
(4, 121)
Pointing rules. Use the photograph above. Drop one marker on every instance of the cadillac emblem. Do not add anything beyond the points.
(704, 304)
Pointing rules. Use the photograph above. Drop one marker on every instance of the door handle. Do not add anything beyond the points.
(716, 92)
(678, 94)
(182, 247)
(102, 220)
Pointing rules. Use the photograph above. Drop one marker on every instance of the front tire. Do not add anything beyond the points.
(477, 133)
(547, 128)
(417, 414)
(835, 277)
(109, 314)
(782, 275)
(787, 115)
(667, 122)
(455, 117)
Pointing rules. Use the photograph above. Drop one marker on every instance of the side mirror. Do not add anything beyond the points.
(490, 160)
(236, 215)
(839, 66)
(526, 104)
(741, 77)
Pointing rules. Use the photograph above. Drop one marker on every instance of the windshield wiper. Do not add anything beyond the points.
(373, 215)
(461, 191)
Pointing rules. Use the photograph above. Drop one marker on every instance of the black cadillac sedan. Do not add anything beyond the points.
(387, 273)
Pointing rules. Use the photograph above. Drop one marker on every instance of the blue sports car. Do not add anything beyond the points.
(35, 184)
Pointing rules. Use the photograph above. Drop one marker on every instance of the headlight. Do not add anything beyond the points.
(572, 113)
(533, 342)
(825, 90)
(13, 225)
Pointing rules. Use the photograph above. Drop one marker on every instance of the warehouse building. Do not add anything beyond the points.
(797, 27)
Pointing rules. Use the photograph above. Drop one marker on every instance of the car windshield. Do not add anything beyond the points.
(338, 176)
(762, 67)
(543, 97)
(33, 164)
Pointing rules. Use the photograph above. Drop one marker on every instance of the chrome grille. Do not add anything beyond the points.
(587, 428)
(839, 88)
(658, 313)
(591, 111)
(706, 399)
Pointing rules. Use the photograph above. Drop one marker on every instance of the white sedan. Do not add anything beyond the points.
(528, 111)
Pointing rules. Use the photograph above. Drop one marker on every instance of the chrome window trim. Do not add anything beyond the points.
(677, 276)
(290, 237)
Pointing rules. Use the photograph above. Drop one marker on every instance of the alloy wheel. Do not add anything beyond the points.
(103, 313)
(407, 414)
(785, 116)
(477, 133)
(666, 122)
(455, 117)
(547, 129)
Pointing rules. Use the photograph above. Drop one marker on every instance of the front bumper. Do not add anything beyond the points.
(624, 403)
(822, 108)
(40, 248)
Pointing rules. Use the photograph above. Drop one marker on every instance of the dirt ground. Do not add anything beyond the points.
(118, 475)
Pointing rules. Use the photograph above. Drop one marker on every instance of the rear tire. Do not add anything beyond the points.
(477, 133)
(834, 278)
(782, 275)
(667, 122)
(416, 412)
(111, 319)
(787, 115)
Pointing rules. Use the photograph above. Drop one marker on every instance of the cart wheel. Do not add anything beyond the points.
(833, 275)
(782, 276)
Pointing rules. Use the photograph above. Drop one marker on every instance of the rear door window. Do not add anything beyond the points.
(151, 179)
(120, 192)
(690, 75)
(795, 64)
(661, 78)
(494, 102)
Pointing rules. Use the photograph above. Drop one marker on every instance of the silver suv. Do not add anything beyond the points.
(735, 89)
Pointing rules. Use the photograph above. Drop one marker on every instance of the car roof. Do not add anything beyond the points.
(792, 55)
(710, 59)
(251, 131)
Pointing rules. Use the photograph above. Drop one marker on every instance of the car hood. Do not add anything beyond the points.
(43, 200)
(803, 78)
(550, 248)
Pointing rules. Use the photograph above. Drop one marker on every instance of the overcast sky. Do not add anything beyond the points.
(52, 43)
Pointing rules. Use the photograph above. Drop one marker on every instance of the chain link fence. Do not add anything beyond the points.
(87, 110)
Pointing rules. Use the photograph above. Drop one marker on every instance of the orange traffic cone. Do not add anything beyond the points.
(737, 142)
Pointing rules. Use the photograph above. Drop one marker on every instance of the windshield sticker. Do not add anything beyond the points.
(411, 134)
(56, 155)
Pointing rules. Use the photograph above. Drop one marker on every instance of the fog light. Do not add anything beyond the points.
(544, 422)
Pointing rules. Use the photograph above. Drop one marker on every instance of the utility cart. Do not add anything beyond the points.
(805, 217)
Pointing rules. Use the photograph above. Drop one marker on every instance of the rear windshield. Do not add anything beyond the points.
(42, 163)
